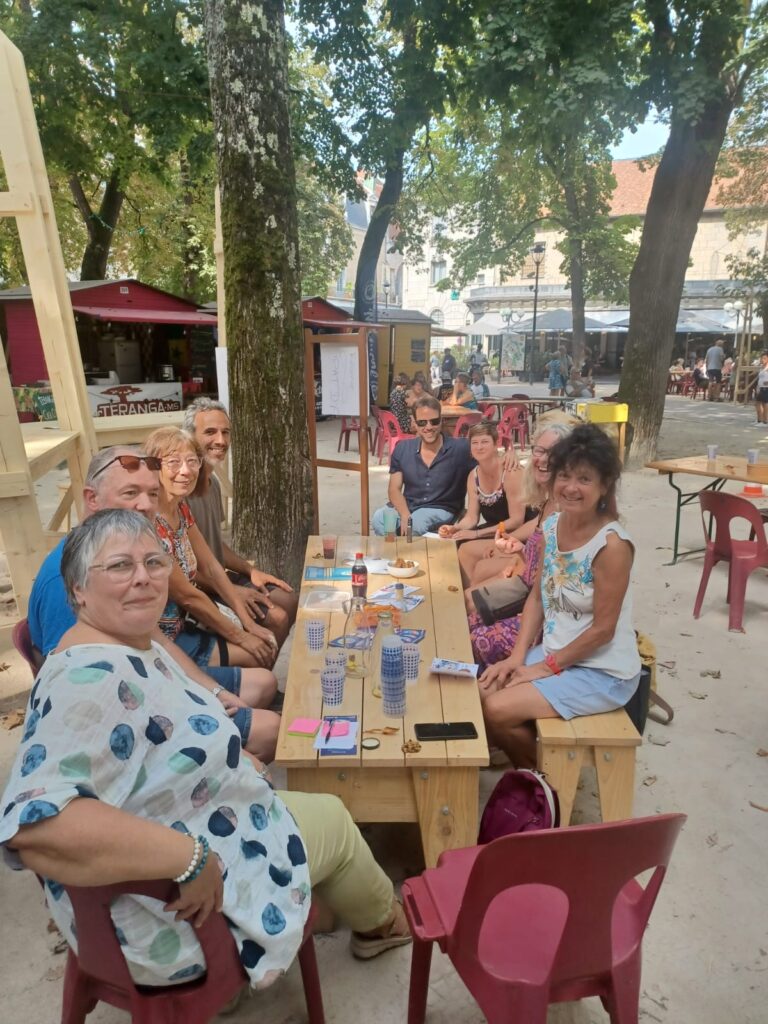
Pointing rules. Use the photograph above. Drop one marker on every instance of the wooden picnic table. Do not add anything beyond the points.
(436, 786)
(720, 470)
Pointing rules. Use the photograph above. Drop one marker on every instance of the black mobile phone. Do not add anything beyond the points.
(445, 731)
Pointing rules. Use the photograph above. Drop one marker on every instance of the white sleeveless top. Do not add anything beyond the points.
(568, 592)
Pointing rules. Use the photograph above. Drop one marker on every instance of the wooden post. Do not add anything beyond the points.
(360, 341)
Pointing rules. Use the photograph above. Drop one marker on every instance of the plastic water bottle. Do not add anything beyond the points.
(409, 531)
(359, 576)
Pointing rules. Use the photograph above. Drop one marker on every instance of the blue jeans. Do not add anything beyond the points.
(425, 520)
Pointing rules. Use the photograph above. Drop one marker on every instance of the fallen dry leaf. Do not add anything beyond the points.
(658, 741)
(12, 719)
(411, 747)
(686, 634)
(649, 780)
(758, 807)
(726, 732)
(762, 753)
(4, 666)
(318, 555)
(667, 664)
(54, 973)
(712, 839)
(713, 672)
(453, 590)
(697, 696)
(388, 730)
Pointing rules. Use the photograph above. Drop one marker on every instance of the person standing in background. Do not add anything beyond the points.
(714, 360)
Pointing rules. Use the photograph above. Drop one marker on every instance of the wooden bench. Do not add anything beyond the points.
(608, 742)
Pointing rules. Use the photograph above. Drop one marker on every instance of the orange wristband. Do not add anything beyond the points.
(551, 662)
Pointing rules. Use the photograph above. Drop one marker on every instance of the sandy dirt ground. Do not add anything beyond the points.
(706, 951)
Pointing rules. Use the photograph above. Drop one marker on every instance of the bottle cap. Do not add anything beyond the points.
(359, 556)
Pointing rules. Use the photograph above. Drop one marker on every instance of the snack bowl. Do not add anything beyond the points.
(405, 572)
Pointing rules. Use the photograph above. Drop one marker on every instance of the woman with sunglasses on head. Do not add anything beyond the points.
(222, 641)
(587, 661)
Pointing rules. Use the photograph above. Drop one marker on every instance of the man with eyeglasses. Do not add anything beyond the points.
(427, 474)
(123, 478)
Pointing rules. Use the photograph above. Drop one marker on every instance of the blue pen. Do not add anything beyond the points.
(330, 722)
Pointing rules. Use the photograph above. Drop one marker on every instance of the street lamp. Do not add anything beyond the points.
(731, 308)
(538, 251)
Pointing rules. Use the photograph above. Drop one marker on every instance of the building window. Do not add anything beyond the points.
(437, 316)
(439, 271)
(479, 281)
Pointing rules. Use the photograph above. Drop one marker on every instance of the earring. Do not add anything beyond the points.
(602, 505)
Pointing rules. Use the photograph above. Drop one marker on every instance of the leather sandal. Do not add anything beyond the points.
(365, 947)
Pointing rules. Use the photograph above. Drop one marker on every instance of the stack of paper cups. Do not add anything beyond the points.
(392, 677)
(336, 660)
(332, 685)
(314, 631)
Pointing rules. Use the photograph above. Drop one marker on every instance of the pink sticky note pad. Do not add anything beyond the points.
(337, 729)
(304, 727)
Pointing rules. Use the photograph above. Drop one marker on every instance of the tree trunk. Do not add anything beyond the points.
(100, 226)
(576, 263)
(249, 90)
(680, 189)
(365, 280)
(192, 247)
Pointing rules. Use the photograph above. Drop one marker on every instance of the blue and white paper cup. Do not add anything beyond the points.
(411, 662)
(336, 659)
(314, 631)
(332, 686)
(392, 677)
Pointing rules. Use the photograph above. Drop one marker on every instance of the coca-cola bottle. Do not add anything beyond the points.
(359, 576)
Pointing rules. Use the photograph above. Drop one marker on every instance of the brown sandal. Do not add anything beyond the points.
(392, 934)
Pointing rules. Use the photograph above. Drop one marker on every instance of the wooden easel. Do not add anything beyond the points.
(358, 339)
(28, 200)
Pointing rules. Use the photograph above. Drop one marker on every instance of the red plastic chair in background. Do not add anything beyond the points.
(744, 556)
(351, 425)
(489, 410)
(22, 641)
(542, 917)
(389, 434)
(513, 426)
(99, 973)
(463, 423)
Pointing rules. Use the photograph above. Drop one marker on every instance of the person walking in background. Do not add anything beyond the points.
(714, 360)
(761, 391)
(558, 373)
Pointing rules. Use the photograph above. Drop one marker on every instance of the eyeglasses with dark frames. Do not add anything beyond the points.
(132, 463)
(429, 423)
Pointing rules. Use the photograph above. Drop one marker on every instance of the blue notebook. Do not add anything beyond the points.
(317, 572)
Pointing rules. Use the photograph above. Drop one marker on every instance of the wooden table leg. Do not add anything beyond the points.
(447, 806)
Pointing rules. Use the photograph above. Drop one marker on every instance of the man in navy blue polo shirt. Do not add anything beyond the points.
(428, 474)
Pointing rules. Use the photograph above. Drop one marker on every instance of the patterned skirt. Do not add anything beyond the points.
(494, 643)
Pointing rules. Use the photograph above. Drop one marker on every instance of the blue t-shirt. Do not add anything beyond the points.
(49, 614)
(443, 484)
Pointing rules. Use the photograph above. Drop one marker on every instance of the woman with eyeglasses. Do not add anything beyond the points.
(127, 770)
(222, 641)
(580, 605)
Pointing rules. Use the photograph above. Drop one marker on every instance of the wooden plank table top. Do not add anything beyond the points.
(46, 446)
(724, 467)
(436, 786)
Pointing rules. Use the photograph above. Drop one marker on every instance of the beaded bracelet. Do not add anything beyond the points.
(203, 860)
(551, 662)
(200, 849)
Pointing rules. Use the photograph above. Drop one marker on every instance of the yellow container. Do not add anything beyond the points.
(603, 412)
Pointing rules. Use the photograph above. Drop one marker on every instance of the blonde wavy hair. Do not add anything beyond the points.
(559, 423)
(167, 441)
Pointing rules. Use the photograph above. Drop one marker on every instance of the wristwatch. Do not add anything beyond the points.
(217, 690)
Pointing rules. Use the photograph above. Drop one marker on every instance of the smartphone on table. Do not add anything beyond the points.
(426, 731)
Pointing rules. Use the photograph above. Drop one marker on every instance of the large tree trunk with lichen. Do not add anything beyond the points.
(249, 90)
(365, 279)
(680, 189)
(100, 226)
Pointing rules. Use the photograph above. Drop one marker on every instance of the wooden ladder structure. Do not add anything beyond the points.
(28, 200)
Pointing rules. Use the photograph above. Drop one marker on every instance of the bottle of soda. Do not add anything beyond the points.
(359, 576)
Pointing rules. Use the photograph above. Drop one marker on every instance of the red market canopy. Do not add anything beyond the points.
(150, 316)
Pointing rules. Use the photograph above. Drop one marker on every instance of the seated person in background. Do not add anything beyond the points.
(398, 405)
(224, 640)
(277, 602)
(427, 474)
(461, 394)
(417, 390)
(493, 494)
(578, 387)
(588, 661)
(171, 797)
(477, 386)
(500, 554)
(700, 374)
(677, 369)
(124, 478)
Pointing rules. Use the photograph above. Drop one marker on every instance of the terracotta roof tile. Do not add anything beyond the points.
(633, 188)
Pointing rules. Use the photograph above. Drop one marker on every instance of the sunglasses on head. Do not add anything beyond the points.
(428, 423)
(132, 463)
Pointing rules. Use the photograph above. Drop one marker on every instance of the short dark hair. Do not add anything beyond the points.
(588, 445)
(483, 429)
(463, 377)
(427, 402)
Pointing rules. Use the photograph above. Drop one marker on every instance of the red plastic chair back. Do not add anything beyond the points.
(724, 509)
(99, 970)
(390, 433)
(490, 410)
(542, 917)
(22, 641)
(463, 423)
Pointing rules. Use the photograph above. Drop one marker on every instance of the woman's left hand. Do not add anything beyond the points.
(528, 674)
(261, 579)
(197, 899)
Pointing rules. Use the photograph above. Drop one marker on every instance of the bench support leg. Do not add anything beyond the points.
(615, 768)
(562, 767)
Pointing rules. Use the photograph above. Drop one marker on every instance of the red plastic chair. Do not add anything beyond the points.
(99, 973)
(22, 641)
(463, 423)
(542, 917)
(351, 425)
(490, 410)
(513, 426)
(390, 433)
(744, 556)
